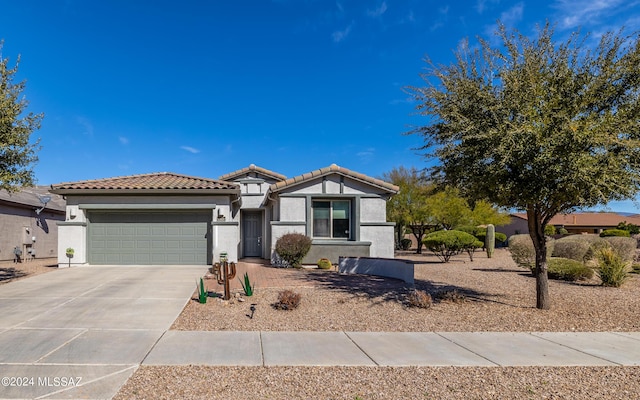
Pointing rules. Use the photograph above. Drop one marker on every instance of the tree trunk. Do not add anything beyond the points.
(536, 231)
(418, 232)
(400, 235)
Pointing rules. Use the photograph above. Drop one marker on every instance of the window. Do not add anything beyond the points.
(331, 219)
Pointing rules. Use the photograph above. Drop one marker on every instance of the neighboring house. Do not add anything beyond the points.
(29, 224)
(586, 222)
(166, 218)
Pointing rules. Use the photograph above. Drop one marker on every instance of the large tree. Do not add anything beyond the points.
(408, 208)
(537, 125)
(17, 152)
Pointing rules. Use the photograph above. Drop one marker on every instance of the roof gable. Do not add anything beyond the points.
(333, 169)
(162, 181)
(251, 171)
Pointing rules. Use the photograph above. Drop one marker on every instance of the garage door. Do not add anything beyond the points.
(148, 238)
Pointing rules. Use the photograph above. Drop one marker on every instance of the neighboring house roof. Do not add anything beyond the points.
(29, 197)
(594, 219)
(151, 183)
(252, 168)
(333, 169)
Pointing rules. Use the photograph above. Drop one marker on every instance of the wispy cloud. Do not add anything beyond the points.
(123, 140)
(366, 155)
(339, 36)
(508, 18)
(574, 13)
(443, 13)
(378, 11)
(190, 149)
(481, 5)
(87, 126)
(513, 15)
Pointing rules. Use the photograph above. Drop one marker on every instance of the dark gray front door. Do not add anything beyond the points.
(252, 233)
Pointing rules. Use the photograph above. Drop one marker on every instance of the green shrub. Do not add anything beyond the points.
(563, 231)
(470, 229)
(614, 232)
(481, 233)
(523, 252)
(292, 247)
(613, 270)
(568, 270)
(632, 228)
(405, 244)
(549, 230)
(624, 246)
(445, 244)
(324, 263)
(572, 247)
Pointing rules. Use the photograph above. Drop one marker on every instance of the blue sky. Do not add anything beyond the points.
(207, 87)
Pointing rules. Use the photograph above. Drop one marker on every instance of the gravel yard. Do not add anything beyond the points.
(498, 296)
(493, 295)
(10, 271)
(350, 383)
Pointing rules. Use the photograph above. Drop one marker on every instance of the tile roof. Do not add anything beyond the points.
(589, 219)
(30, 196)
(333, 168)
(252, 168)
(153, 181)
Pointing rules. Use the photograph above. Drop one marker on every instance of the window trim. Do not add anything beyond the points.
(350, 218)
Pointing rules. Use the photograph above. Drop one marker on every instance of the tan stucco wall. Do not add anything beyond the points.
(14, 223)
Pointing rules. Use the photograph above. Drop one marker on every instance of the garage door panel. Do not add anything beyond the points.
(143, 230)
(149, 238)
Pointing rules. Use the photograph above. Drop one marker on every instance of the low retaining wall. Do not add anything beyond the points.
(387, 267)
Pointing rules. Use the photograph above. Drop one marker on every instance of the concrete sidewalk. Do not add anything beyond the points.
(82, 332)
(489, 349)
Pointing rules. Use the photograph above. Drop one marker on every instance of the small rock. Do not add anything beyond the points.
(240, 299)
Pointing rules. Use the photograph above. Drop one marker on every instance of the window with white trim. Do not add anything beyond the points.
(331, 219)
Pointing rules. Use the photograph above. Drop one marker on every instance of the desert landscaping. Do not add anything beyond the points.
(483, 295)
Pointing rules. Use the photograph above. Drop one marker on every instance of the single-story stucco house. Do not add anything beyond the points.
(166, 218)
(28, 219)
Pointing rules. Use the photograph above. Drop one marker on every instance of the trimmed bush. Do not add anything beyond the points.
(292, 247)
(613, 270)
(445, 244)
(615, 232)
(523, 252)
(481, 233)
(549, 230)
(405, 244)
(324, 263)
(624, 246)
(572, 247)
(568, 270)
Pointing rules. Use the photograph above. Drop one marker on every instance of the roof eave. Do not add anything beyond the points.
(277, 188)
(209, 191)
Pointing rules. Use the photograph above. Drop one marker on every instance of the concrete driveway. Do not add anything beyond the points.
(81, 332)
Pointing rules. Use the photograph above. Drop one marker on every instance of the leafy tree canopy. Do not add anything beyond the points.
(537, 125)
(17, 153)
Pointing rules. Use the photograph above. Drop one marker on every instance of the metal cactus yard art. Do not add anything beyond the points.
(225, 272)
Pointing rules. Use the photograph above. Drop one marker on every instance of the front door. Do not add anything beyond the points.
(252, 233)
